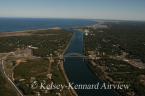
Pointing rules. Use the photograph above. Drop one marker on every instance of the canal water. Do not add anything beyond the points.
(79, 72)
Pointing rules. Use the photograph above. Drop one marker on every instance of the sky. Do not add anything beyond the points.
(85, 9)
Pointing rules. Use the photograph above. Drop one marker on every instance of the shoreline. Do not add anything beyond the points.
(26, 32)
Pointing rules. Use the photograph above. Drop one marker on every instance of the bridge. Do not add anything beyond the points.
(74, 55)
(71, 55)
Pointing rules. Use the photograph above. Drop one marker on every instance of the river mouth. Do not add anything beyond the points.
(78, 71)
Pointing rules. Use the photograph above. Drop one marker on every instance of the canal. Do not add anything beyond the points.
(78, 71)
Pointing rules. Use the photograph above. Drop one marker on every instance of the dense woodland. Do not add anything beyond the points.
(47, 41)
(122, 36)
(119, 37)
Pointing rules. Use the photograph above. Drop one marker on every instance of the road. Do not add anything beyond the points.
(2, 68)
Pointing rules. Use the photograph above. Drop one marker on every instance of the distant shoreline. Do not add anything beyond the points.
(56, 28)
(25, 32)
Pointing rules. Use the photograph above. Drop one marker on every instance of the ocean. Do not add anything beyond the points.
(21, 24)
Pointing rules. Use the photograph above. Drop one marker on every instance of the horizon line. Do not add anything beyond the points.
(105, 19)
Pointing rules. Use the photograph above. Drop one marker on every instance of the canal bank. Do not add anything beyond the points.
(61, 66)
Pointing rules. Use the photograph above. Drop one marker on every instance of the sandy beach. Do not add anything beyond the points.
(25, 32)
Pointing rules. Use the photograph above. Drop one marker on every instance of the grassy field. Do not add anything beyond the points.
(31, 68)
(38, 69)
